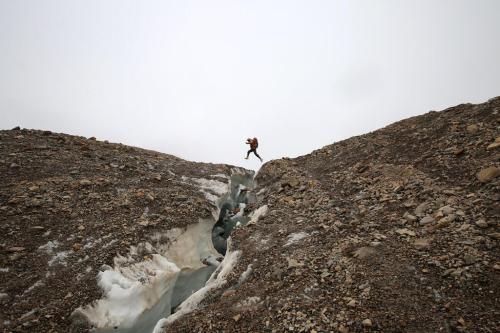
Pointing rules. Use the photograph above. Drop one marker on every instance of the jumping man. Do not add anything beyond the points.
(253, 147)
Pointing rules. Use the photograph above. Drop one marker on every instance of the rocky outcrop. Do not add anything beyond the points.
(392, 231)
(99, 234)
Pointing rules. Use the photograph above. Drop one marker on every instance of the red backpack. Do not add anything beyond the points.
(254, 143)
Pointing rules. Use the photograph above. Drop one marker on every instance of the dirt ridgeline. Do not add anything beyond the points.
(392, 231)
(68, 205)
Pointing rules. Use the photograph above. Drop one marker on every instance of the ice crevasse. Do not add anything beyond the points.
(181, 267)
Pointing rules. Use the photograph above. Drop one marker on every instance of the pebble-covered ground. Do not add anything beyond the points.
(69, 205)
(392, 231)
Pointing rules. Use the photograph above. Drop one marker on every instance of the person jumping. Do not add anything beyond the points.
(253, 147)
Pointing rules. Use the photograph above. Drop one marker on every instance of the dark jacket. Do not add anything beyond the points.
(253, 143)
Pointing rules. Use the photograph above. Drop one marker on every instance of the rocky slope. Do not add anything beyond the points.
(392, 231)
(69, 205)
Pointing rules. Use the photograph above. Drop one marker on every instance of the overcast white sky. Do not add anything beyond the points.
(196, 78)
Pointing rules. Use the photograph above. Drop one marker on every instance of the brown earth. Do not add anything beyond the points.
(392, 231)
(400, 234)
(91, 200)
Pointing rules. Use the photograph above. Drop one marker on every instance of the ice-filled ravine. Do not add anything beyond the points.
(182, 266)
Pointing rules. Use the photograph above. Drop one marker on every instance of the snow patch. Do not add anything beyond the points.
(241, 211)
(37, 284)
(129, 290)
(59, 258)
(109, 243)
(134, 286)
(91, 242)
(155, 277)
(211, 197)
(244, 276)
(159, 326)
(49, 247)
(295, 237)
(215, 186)
(257, 214)
(83, 259)
(220, 175)
(262, 191)
(213, 189)
(248, 302)
(217, 280)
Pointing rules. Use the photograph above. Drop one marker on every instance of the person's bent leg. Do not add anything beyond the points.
(248, 153)
(255, 152)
